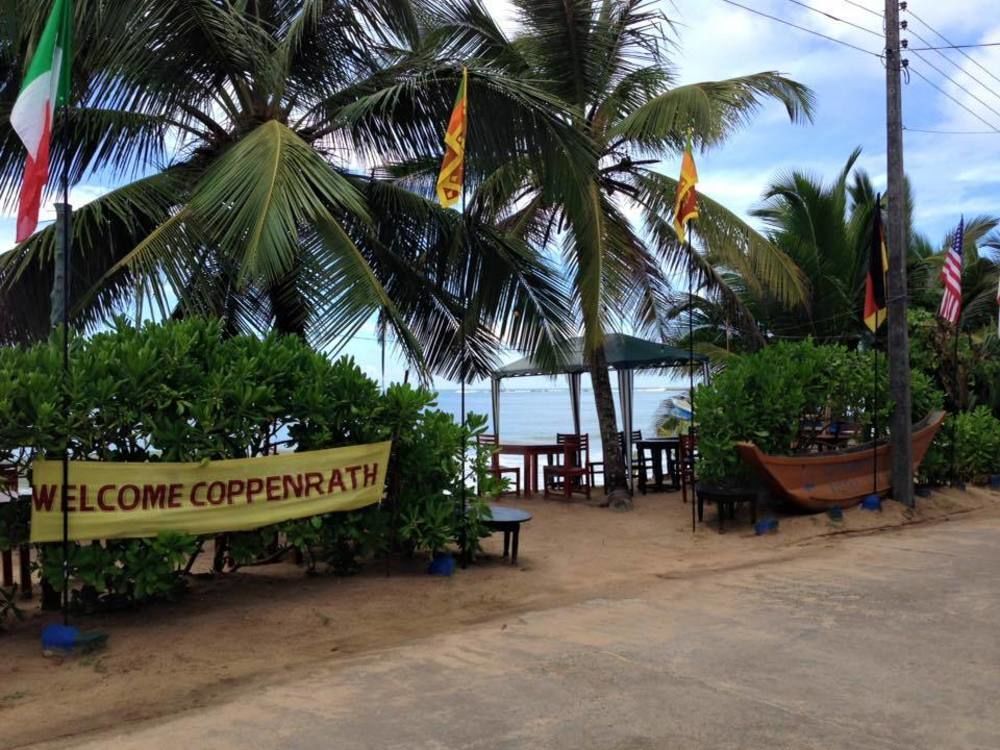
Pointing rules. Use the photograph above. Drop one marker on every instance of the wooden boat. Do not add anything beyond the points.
(818, 481)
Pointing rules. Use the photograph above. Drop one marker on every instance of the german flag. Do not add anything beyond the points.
(686, 203)
(878, 267)
(450, 180)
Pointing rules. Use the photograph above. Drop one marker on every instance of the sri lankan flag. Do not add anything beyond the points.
(449, 183)
(878, 267)
(686, 203)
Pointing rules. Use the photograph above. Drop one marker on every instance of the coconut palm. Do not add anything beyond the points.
(609, 62)
(251, 138)
(826, 230)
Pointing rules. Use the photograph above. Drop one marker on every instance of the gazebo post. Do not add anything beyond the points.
(495, 395)
(574, 379)
(626, 387)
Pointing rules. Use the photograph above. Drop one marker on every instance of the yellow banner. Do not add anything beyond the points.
(123, 500)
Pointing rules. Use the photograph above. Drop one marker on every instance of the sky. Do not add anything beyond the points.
(950, 174)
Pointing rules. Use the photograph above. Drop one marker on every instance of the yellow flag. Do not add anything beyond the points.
(449, 183)
(686, 204)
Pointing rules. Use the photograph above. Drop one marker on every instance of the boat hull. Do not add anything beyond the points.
(818, 481)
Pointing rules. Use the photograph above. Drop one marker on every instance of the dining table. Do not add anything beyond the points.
(657, 454)
(530, 453)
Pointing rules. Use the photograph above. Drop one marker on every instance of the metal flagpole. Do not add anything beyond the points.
(463, 538)
(690, 250)
(875, 414)
(60, 317)
(954, 422)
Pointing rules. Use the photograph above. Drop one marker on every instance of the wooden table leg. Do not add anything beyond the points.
(24, 556)
(8, 567)
(657, 468)
(513, 551)
(506, 544)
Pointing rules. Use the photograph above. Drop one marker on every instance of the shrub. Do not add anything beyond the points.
(182, 391)
(977, 449)
(764, 397)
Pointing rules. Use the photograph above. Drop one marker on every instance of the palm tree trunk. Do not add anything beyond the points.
(615, 481)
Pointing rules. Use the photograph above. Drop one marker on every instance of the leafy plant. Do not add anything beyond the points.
(8, 606)
(766, 396)
(976, 439)
(135, 569)
(184, 391)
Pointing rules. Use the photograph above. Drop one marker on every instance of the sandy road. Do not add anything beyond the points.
(883, 641)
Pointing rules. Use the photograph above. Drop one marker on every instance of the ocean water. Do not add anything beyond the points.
(535, 416)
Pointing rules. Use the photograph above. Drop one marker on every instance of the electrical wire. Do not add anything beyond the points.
(803, 28)
(993, 128)
(955, 46)
(865, 8)
(916, 51)
(832, 17)
(958, 47)
(931, 83)
(956, 83)
(950, 132)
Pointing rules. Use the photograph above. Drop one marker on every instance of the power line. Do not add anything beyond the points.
(803, 28)
(835, 18)
(950, 132)
(954, 46)
(952, 80)
(916, 51)
(958, 47)
(865, 8)
(931, 83)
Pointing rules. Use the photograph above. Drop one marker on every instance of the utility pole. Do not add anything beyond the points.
(901, 422)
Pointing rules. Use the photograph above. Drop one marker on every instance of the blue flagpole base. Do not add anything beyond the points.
(872, 502)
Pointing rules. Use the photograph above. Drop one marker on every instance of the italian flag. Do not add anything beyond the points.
(45, 87)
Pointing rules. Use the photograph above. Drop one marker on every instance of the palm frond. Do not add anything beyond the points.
(710, 111)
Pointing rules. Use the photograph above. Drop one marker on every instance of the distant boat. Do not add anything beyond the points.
(818, 481)
(676, 407)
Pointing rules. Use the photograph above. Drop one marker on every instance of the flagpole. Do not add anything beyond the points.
(690, 251)
(875, 415)
(954, 422)
(61, 299)
(463, 537)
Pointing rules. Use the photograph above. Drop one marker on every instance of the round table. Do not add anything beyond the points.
(508, 520)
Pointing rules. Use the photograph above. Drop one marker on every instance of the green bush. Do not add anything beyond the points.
(977, 449)
(182, 391)
(764, 397)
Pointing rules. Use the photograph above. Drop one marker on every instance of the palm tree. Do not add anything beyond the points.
(826, 230)
(608, 61)
(252, 139)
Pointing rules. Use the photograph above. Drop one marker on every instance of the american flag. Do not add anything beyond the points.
(951, 276)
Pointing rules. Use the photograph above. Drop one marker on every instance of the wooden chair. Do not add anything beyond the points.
(595, 467)
(495, 468)
(572, 474)
(687, 456)
(582, 456)
(639, 466)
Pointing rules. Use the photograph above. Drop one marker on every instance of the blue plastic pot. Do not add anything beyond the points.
(766, 526)
(872, 502)
(443, 564)
(995, 482)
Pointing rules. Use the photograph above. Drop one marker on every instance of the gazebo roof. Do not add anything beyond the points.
(623, 353)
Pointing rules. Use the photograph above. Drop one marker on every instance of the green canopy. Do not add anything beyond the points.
(623, 353)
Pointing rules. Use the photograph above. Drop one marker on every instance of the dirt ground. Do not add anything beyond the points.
(260, 625)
